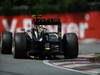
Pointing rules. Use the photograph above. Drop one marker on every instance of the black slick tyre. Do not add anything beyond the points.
(70, 45)
(20, 46)
(6, 43)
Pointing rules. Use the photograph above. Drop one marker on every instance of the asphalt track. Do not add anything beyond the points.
(11, 66)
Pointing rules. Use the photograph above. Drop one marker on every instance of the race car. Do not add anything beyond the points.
(39, 42)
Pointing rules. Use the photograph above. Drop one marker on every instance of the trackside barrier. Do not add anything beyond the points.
(85, 25)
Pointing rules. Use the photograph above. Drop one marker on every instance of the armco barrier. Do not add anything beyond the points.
(86, 25)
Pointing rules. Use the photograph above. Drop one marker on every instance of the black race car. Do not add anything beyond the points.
(39, 42)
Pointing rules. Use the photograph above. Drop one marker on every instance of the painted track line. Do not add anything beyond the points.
(95, 71)
(47, 63)
(76, 65)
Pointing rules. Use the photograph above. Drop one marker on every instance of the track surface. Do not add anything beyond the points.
(11, 66)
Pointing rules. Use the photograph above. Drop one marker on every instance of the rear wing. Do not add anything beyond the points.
(50, 21)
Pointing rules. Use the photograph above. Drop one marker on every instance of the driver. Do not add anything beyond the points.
(38, 32)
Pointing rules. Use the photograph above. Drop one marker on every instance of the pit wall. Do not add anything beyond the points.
(86, 25)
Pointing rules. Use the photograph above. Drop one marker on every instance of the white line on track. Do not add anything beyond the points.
(47, 63)
(76, 65)
(95, 71)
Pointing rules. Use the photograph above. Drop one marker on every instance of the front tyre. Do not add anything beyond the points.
(20, 45)
(70, 45)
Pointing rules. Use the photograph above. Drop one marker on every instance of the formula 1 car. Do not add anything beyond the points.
(41, 43)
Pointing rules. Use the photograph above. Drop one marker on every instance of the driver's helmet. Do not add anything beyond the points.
(41, 28)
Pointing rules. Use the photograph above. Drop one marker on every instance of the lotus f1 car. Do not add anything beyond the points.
(39, 42)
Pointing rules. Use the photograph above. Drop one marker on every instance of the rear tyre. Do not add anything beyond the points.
(70, 45)
(20, 46)
(6, 43)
